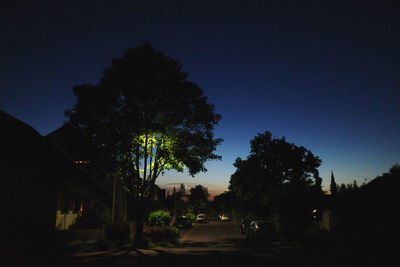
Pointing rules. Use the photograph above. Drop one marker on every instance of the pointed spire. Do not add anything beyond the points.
(173, 193)
(333, 186)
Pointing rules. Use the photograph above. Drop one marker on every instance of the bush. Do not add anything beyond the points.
(118, 232)
(159, 218)
(191, 216)
(163, 235)
(172, 234)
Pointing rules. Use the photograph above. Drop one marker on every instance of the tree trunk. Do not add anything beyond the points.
(140, 213)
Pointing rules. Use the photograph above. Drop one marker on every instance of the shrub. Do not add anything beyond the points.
(163, 235)
(159, 218)
(172, 234)
(191, 216)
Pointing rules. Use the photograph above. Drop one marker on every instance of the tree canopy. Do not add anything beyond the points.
(279, 180)
(271, 164)
(147, 117)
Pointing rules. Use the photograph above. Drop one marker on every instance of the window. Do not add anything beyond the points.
(78, 204)
(65, 204)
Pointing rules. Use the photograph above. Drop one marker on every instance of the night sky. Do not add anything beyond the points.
(324, 74)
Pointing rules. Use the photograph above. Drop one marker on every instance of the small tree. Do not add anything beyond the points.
(198, 198)
(181, 200)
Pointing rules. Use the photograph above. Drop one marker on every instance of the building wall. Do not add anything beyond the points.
(326, 220)
(69, 207)
(65, 219)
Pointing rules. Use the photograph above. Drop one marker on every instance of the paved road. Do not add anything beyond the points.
(217, 244)
(212, 231)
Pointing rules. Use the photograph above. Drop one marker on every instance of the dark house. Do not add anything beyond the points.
(36, 180)
(80, 150)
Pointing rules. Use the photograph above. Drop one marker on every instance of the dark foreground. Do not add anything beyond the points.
(220, 244)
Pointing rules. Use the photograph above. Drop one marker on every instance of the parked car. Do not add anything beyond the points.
(225, 217)
(183, 222)
(201, 218)
(260, 229)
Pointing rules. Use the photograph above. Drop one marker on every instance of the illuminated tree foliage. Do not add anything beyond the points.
(147, 118)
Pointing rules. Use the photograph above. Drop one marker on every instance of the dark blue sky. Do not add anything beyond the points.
(324, 74)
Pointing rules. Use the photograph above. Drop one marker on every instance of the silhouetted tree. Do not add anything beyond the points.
(178, 201)
(271, 164)
(333, 186)
(395, 170)
(228, 202)
(198, 198)
(182, 192)
(148, 118)
(367, 217)
(181, 200)
(279, 178)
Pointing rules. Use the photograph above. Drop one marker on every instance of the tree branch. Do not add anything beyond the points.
(145, 157)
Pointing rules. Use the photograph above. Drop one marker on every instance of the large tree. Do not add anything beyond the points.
(278, 178)
(147, 117)
(273, 163)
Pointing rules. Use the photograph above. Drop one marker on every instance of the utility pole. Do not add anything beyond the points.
(174, 199)
(113, 201)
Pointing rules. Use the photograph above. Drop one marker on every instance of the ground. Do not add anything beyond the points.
(220, 244)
